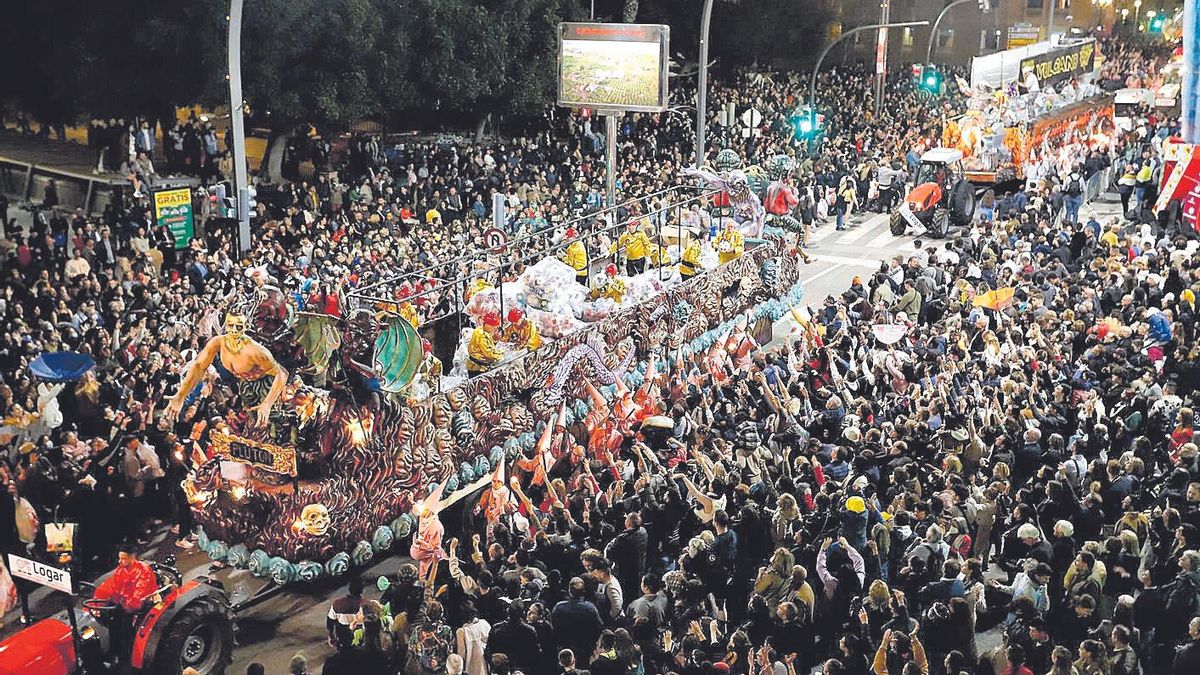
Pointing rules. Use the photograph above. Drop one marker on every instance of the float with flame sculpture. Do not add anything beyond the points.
(324, 477)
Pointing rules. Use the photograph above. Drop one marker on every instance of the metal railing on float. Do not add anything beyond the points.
(442, 323)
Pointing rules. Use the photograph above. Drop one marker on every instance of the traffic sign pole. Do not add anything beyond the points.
(499, 220)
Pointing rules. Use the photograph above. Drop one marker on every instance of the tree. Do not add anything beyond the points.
(314, 61)
(776, 32)
(630, 11)
(484, 57)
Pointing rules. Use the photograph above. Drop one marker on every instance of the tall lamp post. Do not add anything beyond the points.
(812, 86)
(702, 82)
(236, 103)
(985, 5)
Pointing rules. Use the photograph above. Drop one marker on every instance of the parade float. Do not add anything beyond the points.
(1027, 110)
(343, 424)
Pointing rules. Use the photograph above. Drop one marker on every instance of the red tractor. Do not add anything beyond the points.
(189, 625)
(942, 197)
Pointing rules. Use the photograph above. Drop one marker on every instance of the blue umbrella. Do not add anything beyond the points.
(61, 366)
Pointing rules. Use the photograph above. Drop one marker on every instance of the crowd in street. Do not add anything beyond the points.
(841, 500)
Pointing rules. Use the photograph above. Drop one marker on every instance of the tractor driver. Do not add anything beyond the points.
(129, 586)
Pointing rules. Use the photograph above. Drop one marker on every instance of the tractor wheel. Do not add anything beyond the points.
(962, 203)
(200, 637)
(939, 227)
(898, 226)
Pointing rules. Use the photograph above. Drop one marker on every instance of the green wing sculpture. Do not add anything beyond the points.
(318, 337)
(398, 353)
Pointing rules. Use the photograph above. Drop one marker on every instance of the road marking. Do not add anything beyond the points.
(884, 240)
(822, 232)
(867, 226)
(820, 274)
(843, 260)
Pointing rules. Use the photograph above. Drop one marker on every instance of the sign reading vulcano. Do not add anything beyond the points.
(1060, 64)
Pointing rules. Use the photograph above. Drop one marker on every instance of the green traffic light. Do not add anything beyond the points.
(931, 81)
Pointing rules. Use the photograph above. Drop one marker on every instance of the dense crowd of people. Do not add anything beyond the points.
(844, 500)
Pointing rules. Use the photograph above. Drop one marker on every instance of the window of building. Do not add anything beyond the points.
(1034, 4)
(945, 38)
(908, 38)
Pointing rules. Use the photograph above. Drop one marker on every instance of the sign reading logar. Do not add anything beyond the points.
(40, 573)
(1061, 64)
(173, 208)
(613, 66)
(277, 458)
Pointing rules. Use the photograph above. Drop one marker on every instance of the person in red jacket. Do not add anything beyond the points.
(131, 583)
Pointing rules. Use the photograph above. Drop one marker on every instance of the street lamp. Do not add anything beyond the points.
(702, 82)
(236, 105)
(1137, 11)
(937, 22)
(812, 86)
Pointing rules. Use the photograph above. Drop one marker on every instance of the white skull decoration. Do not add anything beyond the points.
(315, 519)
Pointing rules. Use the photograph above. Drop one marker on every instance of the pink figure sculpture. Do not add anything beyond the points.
(426, 547)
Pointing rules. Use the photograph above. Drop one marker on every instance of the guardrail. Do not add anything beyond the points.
(1098, 184)
(27, 181)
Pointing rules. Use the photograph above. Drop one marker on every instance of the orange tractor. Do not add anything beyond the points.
(942, 198)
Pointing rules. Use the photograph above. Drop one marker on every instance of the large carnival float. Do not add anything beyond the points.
(343, 424)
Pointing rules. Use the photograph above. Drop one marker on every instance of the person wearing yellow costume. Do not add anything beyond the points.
(521, 332)
(729, 243)
(657, 255)
(612, 287)
(636, 245)
(482, 352)
(475, 287)
(689, 260)
(576, 256)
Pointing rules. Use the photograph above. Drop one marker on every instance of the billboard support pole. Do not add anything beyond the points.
(610, 157)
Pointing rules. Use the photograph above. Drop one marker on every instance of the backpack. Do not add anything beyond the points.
(1182, 600)
(934, 559)
(1074, 188)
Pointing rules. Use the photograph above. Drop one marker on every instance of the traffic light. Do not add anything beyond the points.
(805, 124)
(219, 200)
(1156, 24)
(931, 80)
(247, 198)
